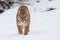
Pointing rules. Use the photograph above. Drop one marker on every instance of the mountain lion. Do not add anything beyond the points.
(23, 20)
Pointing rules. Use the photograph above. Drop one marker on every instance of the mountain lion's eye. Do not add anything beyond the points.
(21, 17)
(24, 16)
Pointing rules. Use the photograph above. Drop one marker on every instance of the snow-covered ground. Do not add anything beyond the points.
(45, 25)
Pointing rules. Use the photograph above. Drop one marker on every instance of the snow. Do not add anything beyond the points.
(45, 25)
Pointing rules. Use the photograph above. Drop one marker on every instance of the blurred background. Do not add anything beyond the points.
(44, 22)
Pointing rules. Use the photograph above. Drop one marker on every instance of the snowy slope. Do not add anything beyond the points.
(45, 25)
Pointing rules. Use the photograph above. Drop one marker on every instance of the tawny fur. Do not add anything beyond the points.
(23, 20)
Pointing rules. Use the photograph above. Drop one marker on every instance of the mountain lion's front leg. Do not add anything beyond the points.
(18, 25)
